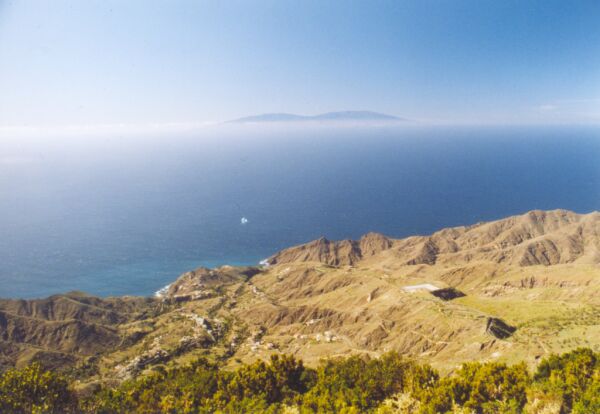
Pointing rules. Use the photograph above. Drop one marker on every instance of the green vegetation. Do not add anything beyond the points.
(32, 390)
(390, 384)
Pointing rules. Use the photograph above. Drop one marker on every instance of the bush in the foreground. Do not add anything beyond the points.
(573, 378)
(484, 388)
(386, 385)
(358, 385)
(32, 390)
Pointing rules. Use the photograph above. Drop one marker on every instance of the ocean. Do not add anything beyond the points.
(125, 214)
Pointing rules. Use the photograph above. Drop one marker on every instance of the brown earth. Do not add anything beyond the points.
(508, 290)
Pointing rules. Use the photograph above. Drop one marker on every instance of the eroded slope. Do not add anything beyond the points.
(513, 289)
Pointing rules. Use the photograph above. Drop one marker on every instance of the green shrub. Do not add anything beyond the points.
(389, 384)
(32, 390)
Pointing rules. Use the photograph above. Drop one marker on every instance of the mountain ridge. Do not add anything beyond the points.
(338, 116)
(525, 238)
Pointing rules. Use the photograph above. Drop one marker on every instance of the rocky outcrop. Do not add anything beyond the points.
(334, 253)
(372, 244)
(536, 238)
(203, 283)
(427, 254)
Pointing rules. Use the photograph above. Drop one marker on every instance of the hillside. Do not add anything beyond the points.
(514, 289)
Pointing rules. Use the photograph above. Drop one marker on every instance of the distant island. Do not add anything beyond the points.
(340, 116)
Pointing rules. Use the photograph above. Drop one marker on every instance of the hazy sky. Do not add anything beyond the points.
(145, 62)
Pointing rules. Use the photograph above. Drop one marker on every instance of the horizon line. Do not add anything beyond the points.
(191, 126)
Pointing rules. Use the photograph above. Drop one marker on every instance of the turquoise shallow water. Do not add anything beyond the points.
(125, 215)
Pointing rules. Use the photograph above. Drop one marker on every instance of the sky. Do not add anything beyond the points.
(86, 63)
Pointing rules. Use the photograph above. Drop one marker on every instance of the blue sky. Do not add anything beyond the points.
(161, 62)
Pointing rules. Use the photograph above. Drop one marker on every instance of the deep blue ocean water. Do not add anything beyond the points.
(114, 215)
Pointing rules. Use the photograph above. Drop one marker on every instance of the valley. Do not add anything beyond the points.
(516, 289)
